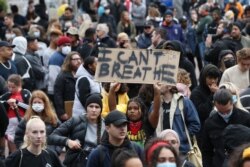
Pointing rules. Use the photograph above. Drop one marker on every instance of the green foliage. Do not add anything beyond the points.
(3, 5)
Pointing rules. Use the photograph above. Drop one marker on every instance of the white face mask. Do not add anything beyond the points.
(10, 36)
(166, 164)
(107, 11)
(37, 107)
(66, 50)
(37, 34)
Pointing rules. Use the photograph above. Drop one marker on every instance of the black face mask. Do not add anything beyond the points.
(229, 63)
(122, 45)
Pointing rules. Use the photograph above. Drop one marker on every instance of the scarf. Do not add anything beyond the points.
(134, 127)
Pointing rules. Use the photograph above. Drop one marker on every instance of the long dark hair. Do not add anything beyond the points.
(141, 105)
(99, 129)
(152, 159)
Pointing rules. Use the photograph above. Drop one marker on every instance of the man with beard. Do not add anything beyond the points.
(212, 27)
(7, 67)
(241, 41)
(174, 31)
(72, 33)
(64, 89)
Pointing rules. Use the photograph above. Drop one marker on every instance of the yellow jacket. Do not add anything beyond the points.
(121, 106)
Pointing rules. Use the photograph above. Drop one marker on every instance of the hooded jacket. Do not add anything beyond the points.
(101, 156)
(184, 62)
(212, 54)
(23, 65)
(202, 97)
(85, 85)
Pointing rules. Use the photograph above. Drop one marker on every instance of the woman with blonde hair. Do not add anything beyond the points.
(39, 106)
(34, 152)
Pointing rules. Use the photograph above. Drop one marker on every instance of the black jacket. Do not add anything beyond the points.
(212, 53)
(106, 42)
(102, 155)
(3, 119)
(202, 98)
(24, 67)
(20, 131)
(74, 128)
(184, 62)
(25, 96)
(213, 153)
(46, 158)
(64, 90)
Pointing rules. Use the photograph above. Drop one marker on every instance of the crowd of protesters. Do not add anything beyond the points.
(51, 106)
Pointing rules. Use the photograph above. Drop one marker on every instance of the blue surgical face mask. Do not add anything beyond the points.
(166, 164)
(234, 98)
(226, 116)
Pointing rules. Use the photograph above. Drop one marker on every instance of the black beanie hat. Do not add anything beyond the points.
(94, 98)
(238, 24)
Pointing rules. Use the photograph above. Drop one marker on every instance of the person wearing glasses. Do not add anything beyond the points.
(143, 40)
(34, 151)
(64, 89)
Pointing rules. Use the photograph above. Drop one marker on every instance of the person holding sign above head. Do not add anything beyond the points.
(184, 62)
(85, 84)
(117, 91)
(141, 124)
(174, 109)
(34, 151)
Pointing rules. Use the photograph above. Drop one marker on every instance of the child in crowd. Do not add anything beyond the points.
(14, 98)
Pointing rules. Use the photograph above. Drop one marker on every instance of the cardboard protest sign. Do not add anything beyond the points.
(137, 66)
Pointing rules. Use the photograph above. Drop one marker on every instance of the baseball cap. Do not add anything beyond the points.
(6, 44)
(115, 117)
(72, 31)
(148, 23)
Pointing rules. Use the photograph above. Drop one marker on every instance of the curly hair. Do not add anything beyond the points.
(183, 77)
